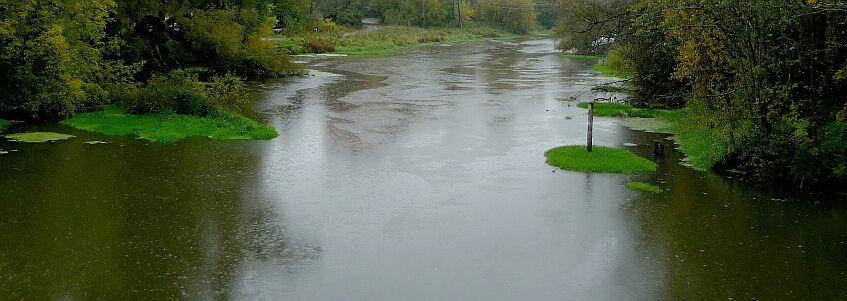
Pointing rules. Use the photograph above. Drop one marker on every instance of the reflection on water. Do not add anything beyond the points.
(130, 220)
(410, 177)
(719, 238)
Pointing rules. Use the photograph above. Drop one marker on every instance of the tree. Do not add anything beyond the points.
(54, 57)
(512, 15)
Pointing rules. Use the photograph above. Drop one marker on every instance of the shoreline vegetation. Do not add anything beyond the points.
(739, 91)
(702, 148)
(3, 124)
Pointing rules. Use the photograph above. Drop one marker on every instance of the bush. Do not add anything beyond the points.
(320, 44)
(430, 38)
(226, 91)
(183, 93)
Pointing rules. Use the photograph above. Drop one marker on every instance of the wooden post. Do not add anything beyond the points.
(460, 13)
(590, 124)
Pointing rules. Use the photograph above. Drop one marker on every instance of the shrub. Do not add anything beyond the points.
(320, 44)
(179, 91)
(226, 91)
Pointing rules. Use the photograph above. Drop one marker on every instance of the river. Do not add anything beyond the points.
(417, 176)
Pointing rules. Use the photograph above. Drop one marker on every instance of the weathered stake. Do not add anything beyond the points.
(590, 124)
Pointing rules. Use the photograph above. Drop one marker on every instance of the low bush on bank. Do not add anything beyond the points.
(182, 92)
(320, 44)
(3, 124)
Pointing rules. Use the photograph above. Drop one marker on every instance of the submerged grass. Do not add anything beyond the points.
(610, 109)
(170, 127)
(600, 160)
(38, 137)
(643, 187)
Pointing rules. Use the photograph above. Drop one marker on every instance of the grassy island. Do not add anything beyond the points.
(170, 127)
(600, 160)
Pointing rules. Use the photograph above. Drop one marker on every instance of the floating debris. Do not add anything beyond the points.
(2, 152)
(38, 137)
(630, 144)
(95, 142)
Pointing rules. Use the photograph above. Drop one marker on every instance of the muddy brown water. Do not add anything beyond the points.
(418, 176)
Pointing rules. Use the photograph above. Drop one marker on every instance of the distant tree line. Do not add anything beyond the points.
(768, 76)
(514, 15)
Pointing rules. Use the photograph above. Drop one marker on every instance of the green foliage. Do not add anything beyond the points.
(599, 160)
(762, 81)
(170, 127)
(643, 187)
(517, 16)
(223, 39)
(3, 124)
(53, 57)
(320, 44)
(182, 92)
(589, 26)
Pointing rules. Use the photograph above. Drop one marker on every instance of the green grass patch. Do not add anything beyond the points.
(580, 56)
(610, 109)
(600, 160)
(702, 145)
(38, 137)
(170, 127)
(643, 187)
(608, 71)
(3, 124)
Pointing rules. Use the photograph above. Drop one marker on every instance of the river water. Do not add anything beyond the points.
(417, 176)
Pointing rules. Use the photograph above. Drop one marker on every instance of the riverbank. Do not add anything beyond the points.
(391, 39)
(701, 145)
(171, 127)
